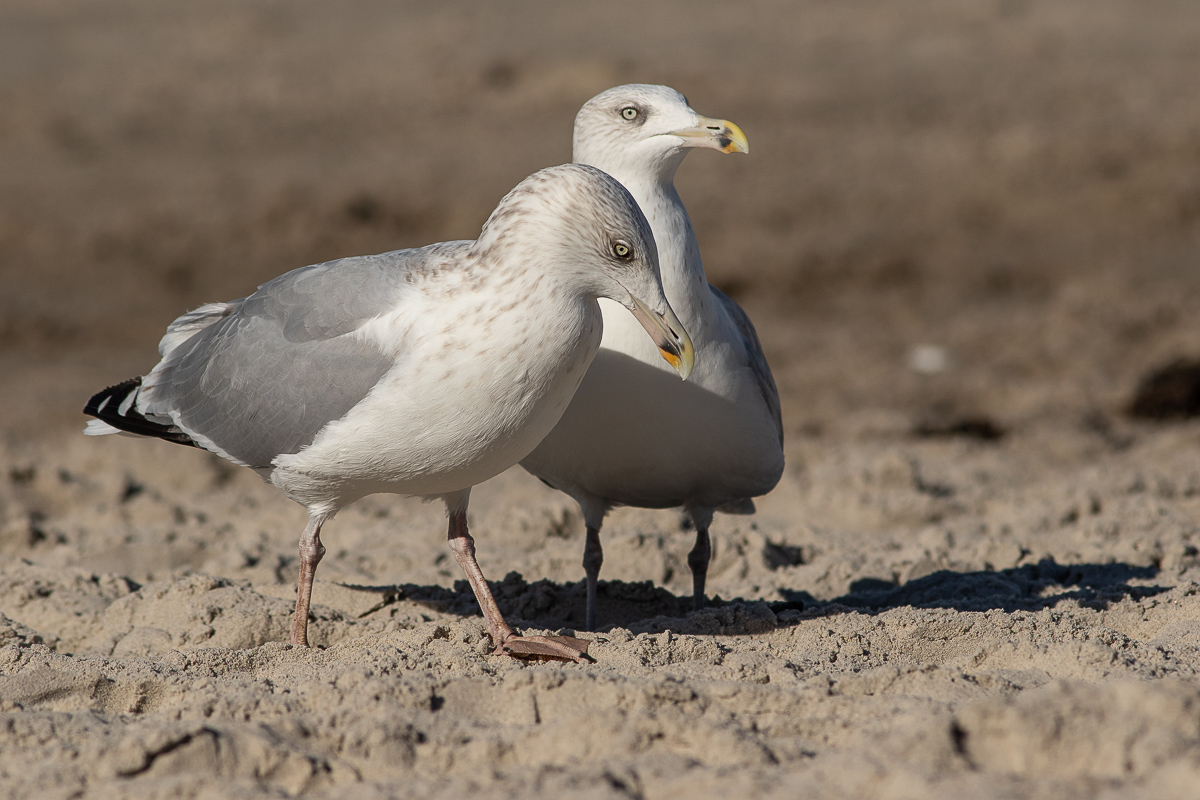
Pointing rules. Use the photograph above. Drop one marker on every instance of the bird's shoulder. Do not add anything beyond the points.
(322, 301)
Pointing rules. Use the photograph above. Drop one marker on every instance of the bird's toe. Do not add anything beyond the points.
(545, 648)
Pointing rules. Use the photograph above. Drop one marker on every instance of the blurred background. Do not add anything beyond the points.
(955, 217)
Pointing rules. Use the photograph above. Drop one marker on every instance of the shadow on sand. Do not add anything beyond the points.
(1031, 587)
(645, 607)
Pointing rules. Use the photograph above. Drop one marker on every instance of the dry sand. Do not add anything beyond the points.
(975, 582)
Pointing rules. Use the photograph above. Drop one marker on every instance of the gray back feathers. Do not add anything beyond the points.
(754, 353)
(270, 370)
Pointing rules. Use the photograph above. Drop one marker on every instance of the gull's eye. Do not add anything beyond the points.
(629, 112)
(622, 251)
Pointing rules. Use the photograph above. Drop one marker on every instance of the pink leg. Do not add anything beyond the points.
(311, 552)
(504, 638)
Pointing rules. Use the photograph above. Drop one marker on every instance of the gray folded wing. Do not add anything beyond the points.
(268, 372)
(758, 361)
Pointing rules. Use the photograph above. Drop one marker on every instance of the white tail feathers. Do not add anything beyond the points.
(98, 427)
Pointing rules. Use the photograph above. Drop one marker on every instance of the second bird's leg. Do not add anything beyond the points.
(593, 558)
(700, 556)
(504, 638)
(311, 552)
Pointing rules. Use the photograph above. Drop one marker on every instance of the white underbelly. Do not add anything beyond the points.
(637, 435)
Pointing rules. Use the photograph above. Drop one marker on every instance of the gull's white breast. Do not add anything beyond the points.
(469, 395)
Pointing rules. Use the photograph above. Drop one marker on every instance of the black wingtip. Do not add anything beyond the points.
(105, 405)
(97, 407)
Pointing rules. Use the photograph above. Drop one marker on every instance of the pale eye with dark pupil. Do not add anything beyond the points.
(622, 250)
(629, 112)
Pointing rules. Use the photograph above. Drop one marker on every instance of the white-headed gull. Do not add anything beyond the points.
(632, 437)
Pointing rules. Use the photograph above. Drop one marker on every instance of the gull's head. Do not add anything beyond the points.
(579, 228)
(639, 128)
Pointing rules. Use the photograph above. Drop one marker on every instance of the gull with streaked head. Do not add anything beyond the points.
(418, 372)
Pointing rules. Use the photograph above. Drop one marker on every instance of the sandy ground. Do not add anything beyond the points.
(966, 231)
